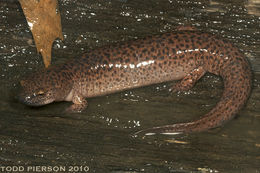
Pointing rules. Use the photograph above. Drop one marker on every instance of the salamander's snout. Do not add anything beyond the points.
(27, 99)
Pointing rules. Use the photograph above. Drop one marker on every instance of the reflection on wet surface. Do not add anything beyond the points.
(100, 137)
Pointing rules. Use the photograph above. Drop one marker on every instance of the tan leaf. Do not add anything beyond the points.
(44, 21)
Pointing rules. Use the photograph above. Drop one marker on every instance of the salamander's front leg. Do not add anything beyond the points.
(79, 104)
(189, 80)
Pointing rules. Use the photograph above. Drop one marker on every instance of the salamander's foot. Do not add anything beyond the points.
(76, 108)
(189, 80)
(79, 104)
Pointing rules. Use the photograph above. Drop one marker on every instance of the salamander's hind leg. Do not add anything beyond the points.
(79, 104)
(189, 80)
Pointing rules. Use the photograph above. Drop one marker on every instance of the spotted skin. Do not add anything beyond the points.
(181, 55)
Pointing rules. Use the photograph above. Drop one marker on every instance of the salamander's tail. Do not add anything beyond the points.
(237, 88)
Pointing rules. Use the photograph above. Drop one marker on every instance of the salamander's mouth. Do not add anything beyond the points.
(33, 100)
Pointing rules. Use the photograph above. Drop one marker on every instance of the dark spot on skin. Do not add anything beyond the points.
(198, 42)
(105, 62)
(132, 48)
(144, 50)
(127, 60)
(124, 52)
(170, 41)
(168, 34)
(160, 65)
(163, 51)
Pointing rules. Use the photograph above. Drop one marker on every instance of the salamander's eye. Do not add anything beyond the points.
(41, 92)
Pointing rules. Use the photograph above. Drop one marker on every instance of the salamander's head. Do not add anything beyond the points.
(42, 88)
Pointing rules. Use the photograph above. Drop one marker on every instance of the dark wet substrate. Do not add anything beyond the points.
(100, 137)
